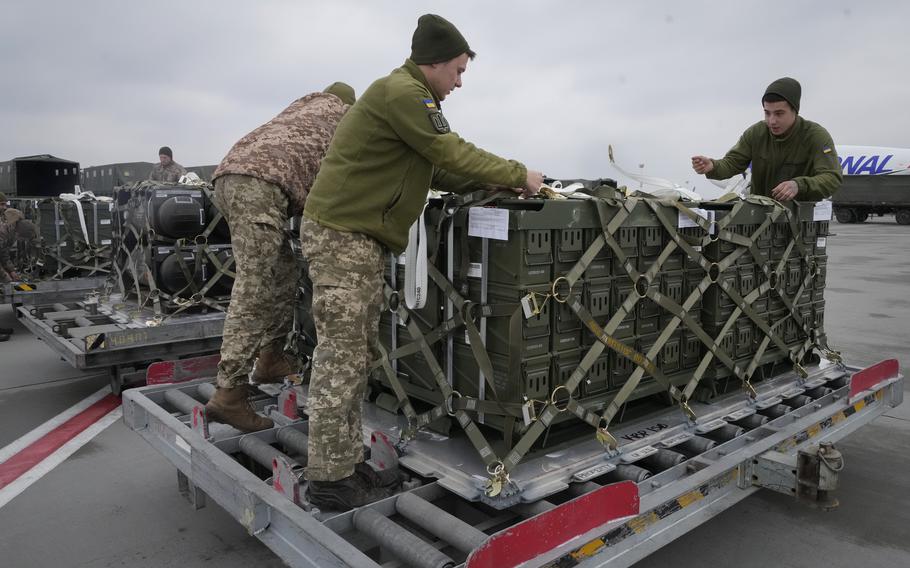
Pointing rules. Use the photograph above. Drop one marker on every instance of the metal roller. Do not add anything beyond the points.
(630, 472)
(444, 526)
(181, 401)
(725, 433)
(798, 401)
(206, 390)
(752, 422)
(819, 392)
(261, 452)
(694, 446)
(839, 382)
(83, 321)
(663, 459)
(403, 544)
(775, 411)
(294, 440)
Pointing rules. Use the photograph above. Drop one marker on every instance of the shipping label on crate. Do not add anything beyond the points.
(488, 223)
(686, 221)
(822, 211)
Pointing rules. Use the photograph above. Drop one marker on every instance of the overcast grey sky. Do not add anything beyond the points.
(553, 84)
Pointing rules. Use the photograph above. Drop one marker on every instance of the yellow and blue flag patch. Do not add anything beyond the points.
(429, 103)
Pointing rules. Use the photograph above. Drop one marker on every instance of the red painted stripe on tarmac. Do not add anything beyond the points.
(30, 456)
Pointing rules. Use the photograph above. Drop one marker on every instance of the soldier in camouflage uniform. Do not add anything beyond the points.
(388, 151)
(15, 227)
(166, 169)
(262, 182)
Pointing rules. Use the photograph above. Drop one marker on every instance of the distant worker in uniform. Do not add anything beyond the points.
(391, 147)
(4, 203)
(791, 157)
(262, 182)
(166, 169)
(14, 229)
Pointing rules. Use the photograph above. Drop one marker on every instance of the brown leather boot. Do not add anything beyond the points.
(272, 366)
(232, 406)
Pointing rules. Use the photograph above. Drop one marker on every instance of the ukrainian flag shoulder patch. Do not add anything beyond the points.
(429, 103)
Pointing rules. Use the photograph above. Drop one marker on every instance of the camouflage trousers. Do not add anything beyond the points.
(346, 271)
(262, 301)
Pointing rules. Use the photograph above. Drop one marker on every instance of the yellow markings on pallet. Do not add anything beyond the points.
(689, 498)
(641, 523)
(589, 549)
(860, 405)
(838, 418)
(814, 430)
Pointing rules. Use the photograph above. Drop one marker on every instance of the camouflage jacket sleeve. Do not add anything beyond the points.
(825, 172)
(417, 121)
(735, 161)
(7, 238)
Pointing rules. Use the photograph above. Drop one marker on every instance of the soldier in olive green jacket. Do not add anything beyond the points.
(791, 157)
(388, 150)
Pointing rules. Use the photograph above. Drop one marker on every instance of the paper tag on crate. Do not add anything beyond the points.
(489, 223)
(686, 221)
(822, 211)
(821, 243)
(475, 270)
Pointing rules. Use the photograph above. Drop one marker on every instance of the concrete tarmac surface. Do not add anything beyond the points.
(115, 501)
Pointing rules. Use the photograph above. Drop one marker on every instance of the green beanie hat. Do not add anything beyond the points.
(436, 40)
(787, 88)
(343, 91)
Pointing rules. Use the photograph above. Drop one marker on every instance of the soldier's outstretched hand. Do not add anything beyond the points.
(533, 181)
(702, 164)
(785, 191)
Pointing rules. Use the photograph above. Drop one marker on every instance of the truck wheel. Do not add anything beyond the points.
(845, 215)
(903, 217)
(861, 216)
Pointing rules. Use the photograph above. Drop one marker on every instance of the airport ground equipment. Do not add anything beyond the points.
(119, 335)
(861, 196)
(577, 503)
(44, 292)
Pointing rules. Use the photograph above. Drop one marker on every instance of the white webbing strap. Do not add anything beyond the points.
(415, 267)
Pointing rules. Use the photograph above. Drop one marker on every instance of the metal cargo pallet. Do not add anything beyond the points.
(49, 291)
(574, 504)
(120, 335)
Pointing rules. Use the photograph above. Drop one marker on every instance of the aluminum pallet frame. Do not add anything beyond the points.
(125, 348)
(670, 503)
(50, 291)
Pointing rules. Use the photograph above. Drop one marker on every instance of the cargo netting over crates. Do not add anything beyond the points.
(76, 236)
(543, 315)
(172, 248)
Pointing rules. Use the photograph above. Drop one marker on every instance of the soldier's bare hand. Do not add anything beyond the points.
(14, 276)
(785, 191)
(702, 164)
(533, 181)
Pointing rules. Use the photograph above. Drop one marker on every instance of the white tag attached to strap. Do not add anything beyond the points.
(415, 268)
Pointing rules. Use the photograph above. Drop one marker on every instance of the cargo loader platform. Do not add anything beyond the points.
(49, 291)
(575, 503)
(120, 335)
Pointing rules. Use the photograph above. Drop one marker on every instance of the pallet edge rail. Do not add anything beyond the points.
(657, 511)
(49, 291)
